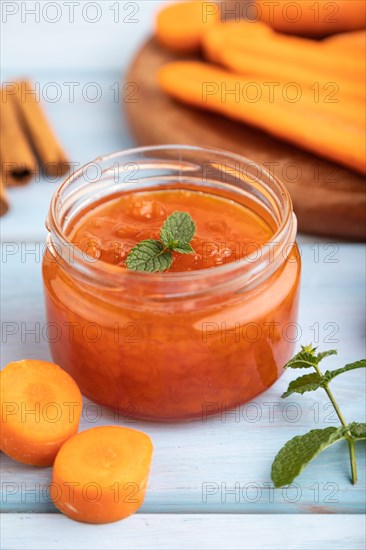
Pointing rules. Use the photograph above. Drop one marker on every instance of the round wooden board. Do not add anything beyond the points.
(328, 199)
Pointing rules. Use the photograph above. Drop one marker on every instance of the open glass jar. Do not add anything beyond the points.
(172, 345)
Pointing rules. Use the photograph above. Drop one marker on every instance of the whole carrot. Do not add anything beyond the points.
(309, 18)
(181, 25)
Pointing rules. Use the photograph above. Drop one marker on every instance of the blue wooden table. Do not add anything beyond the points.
(210, 482)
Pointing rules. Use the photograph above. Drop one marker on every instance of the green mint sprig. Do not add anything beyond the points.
(296, 454)
(152, 255)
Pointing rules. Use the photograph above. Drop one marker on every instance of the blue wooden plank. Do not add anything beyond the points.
(223, 465)
(213, 532)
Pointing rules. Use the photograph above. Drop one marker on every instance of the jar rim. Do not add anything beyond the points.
(285, 233)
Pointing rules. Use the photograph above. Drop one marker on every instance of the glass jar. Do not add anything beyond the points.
(171, 346)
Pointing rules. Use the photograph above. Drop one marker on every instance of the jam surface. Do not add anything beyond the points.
(226, 231)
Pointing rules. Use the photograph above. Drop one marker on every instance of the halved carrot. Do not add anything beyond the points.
(252, 49)
(348, 42)
(304, 123)
(251, 40)
(100, 475)
(40, 409)
(216, 37)
(181, 25)
(309, 18)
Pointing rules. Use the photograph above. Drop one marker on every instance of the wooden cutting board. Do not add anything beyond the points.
(328, 200)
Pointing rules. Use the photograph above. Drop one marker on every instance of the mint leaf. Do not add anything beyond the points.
(324, 354)
(152, 255)
(358, 430)
(303, 360)
(330, 374)
(184, 248)
(149, 255)
(299, 451)
(178, 230)
(313, 381)
(307, 358)
(308, 382)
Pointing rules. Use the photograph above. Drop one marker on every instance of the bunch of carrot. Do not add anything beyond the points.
(308, 92)
(99, 475)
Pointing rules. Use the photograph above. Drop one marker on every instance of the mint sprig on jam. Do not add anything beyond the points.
(296, 454)
(152, 255)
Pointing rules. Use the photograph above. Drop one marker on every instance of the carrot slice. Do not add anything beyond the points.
(309, 18)
(100, 475)
(40, 409)
(180, 26)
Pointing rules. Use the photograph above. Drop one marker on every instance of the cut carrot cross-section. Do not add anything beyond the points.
(40, 409)
(100, 475)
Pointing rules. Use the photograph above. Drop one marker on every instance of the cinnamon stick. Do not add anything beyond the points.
(4, 204)
(18, 162)
(42, 137)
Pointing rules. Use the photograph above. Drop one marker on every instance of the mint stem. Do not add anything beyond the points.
(351, 443)
(352, 456)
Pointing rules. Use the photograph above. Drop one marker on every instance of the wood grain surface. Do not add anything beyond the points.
(186, 532)
(220, 465)
(328, 199)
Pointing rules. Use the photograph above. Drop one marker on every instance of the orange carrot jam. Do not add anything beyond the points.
(112, 230)
(176, 356)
